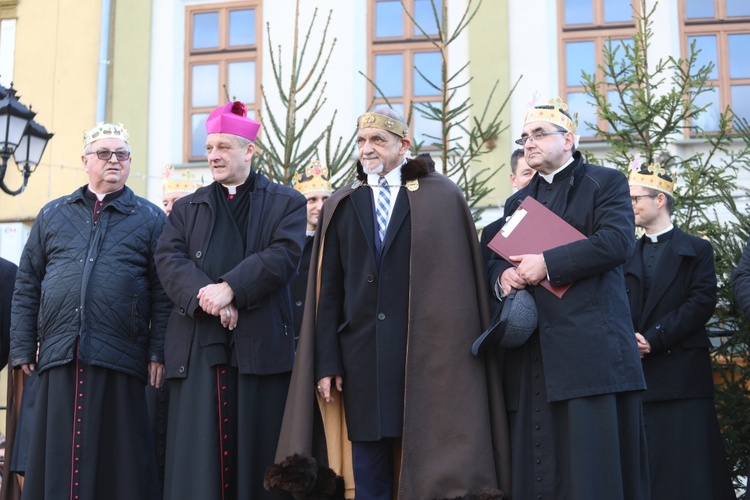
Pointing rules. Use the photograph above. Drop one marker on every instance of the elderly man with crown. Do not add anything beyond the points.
(88, 296)
(671, 285)
(573, 389)
(226, 257)
(395, 298)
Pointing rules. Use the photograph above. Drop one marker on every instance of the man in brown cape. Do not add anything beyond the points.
(389, 321)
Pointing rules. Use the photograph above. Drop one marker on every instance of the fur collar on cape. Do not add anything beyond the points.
(413, 169)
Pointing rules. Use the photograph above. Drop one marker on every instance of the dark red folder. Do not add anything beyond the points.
(532, 229)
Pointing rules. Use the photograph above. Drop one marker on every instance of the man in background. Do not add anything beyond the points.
(671, 286)
(315, 186)
(741, 281)
(520, 171)
(175, 185)
(520, 175)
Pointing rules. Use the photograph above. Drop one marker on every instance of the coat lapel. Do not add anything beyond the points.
(678, 249)
(634, 268)
(400, 209)
(362, 202)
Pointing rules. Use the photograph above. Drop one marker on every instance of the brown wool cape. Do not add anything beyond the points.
(455, 438)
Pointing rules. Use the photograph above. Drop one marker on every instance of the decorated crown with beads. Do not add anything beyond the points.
(651, 176)
(182, 182)
(552, 113)
(314, 180)
(376, 120)
(104, 130)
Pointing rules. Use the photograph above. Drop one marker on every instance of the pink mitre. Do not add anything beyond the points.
(231, 118)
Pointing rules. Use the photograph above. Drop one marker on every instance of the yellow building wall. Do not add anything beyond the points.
(489, 63)
(55, 69)
(129, 81)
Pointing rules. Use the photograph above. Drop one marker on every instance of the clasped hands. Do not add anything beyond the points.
(217, 299)
(529, 269)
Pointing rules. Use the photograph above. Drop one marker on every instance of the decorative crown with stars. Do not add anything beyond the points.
(376, 120)
(651, 176)
(552, 113)
(182, 182)
(315, 179)
(104, 130)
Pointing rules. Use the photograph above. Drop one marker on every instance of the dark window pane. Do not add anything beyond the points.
(389, 74)
(617, 11)
(205, 85)
(242, 81)
(242, 27)
(198, 134)
(736, 8)
(205, 30)
(425, 17)
(579, 56)
(707, 47)
(741, 101)
(739, 48)
(583, 105)
(429, 64)
(579, 12)
(709, 119)
(389, 19)
(700, 8)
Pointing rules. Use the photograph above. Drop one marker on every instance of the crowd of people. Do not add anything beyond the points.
(297, 342)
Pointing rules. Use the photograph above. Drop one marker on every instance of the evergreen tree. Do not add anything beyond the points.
(656, 103)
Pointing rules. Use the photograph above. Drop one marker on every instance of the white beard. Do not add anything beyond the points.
(373, 171)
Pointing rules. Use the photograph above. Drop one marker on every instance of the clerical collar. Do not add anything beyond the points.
(550, 177)
(99, 196)
(654, 238)
(310, 233)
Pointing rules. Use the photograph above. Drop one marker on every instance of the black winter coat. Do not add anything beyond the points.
(588, 346)
(673, 317)
(264, 337)
(91, 284)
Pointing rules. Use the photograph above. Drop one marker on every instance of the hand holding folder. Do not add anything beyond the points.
(532, 229)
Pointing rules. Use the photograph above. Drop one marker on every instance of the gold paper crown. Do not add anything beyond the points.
(184, 182)
(314, 180)
(651, 176)
(104, 131)
(376, 120)
(554, 115)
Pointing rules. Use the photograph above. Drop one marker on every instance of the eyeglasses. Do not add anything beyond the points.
(105, 154)
(634, 199)
(537, 136)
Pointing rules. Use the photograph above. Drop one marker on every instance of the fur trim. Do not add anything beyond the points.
(414, 168)
(301, 476)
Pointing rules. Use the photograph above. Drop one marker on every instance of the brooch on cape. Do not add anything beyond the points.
(412, 185)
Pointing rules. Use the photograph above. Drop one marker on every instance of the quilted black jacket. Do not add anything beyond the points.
(91, 283)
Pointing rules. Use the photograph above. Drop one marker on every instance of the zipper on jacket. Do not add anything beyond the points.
(133, 320)
(41, 318)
